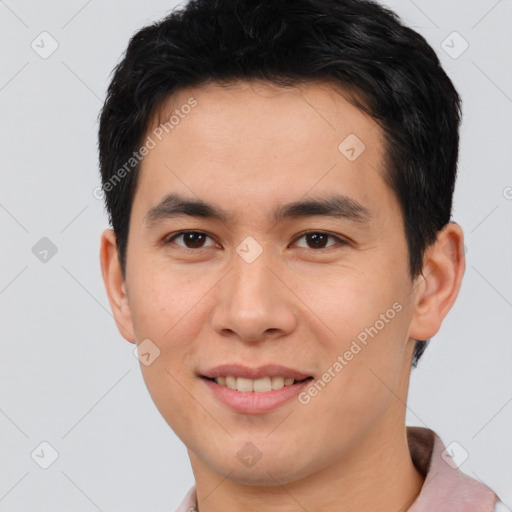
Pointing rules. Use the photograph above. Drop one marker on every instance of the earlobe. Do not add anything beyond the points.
(438, 286)
(115, 285)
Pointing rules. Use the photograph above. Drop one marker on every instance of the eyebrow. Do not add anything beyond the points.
(333, 205)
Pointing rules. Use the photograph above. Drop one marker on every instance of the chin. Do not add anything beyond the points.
(265, 468)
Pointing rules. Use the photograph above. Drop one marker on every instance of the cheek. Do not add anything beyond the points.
(171, 322)
(349, 301)
(364, 386)
(164, 301)
(368, 321)
(164, 310)
(169, 390)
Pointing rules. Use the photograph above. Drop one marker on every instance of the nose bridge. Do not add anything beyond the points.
(252, 302)
(251, 284)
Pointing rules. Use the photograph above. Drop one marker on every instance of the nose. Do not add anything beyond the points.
(253, 302)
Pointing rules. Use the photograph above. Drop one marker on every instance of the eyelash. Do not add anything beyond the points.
(168, 240)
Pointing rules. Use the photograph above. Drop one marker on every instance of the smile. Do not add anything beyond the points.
(262, 385)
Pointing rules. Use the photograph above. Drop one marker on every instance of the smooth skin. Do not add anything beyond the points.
(247, 149)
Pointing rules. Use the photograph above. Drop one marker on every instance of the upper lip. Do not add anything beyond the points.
(268, 370)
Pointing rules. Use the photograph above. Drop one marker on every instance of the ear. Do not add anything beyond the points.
(437, 287)
(115, 285)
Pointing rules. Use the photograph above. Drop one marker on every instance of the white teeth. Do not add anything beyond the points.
(277, 382)
(262, 385)
(230, 382)
(243, 384)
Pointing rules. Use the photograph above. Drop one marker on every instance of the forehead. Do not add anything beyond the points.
(267, 112)
(250, 141)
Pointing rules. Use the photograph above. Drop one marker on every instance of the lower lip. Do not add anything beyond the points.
(255, 403)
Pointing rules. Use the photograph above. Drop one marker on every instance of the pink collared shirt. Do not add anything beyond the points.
(445, 489)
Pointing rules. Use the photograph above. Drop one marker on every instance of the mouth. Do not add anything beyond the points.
(260, 390)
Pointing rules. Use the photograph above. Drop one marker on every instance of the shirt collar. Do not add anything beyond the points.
(446, 488)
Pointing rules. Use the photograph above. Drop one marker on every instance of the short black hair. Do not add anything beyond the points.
(388, 69)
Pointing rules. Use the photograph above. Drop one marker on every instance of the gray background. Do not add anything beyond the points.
(70, 379)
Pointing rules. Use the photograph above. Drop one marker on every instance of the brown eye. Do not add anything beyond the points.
(319, 239)
(191, 239)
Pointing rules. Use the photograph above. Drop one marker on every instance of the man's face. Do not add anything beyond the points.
(253, 289)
